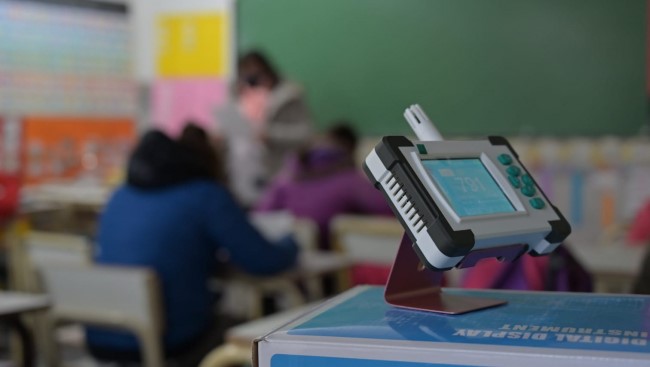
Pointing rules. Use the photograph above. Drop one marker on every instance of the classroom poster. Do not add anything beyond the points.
(74, 147)
(193, 63)
(192, 45)
(182, 100)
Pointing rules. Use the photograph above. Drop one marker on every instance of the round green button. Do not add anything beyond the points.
(537, 203)
(527, 179)
(514, 181)
(514, 171)
(528, 190)
(505, 159)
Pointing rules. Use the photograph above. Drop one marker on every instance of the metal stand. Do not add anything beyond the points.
(413, 286)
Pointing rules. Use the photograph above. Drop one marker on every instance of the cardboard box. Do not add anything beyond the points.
(359, 329)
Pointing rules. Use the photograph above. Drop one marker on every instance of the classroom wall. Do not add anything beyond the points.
(560, 67)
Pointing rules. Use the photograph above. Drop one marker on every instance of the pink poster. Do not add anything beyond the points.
(178, 101)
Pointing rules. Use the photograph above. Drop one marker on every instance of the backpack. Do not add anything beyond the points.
(559, 271)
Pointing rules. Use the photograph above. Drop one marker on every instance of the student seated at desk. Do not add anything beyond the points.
(173, 216)
(323, 182)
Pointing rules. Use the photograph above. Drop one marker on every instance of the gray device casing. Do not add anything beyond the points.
(440, 236)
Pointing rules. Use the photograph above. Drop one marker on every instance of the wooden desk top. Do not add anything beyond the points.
(82, 194)
(13, 303)
(243, 335)
(310, 264)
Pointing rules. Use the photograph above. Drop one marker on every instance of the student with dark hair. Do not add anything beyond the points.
(279, 120)
(197, 140)
(256, 70)
(345, 136)
(159, 161)
(323, 182)
(173, 217)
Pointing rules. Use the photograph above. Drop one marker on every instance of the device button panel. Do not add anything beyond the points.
(522, 181)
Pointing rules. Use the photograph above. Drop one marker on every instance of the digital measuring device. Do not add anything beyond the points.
(461, 201)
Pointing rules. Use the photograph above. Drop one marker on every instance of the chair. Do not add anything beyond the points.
(244, 294)
(371, 243)
(126, 298)
(35, 249)
(275, 225)
(227, 355)
(239, 339)
(373, 239)
(305, 231)
(28, 252)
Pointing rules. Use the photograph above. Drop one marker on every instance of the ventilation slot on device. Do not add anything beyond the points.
(419, 226)
(404, 205)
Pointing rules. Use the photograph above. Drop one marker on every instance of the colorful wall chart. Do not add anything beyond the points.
(65, 58)
(71, 147)
(67, 93)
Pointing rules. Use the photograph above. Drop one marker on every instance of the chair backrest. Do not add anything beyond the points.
(275, 225)
(126, 298)
(305, 231)
(370, 242)
(36, 249)
(43, 248)
(367, 239)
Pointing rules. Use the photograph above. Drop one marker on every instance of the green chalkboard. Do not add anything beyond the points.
(561, 67)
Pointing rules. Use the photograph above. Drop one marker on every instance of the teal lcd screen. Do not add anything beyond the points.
(468, 186)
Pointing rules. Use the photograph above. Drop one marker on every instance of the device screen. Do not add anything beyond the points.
(468, 186)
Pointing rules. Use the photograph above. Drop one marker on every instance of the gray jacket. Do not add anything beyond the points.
(289, 125)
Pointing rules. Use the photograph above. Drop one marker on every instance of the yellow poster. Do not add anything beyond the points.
(193, 44)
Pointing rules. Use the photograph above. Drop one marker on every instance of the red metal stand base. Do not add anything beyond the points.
(413, 286)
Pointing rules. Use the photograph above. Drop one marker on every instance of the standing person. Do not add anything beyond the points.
(173, 217)
(277, 122)
(323, 182)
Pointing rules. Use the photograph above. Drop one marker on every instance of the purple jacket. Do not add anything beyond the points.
(321, 189)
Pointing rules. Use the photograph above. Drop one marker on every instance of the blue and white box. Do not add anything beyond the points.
(358, 329)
